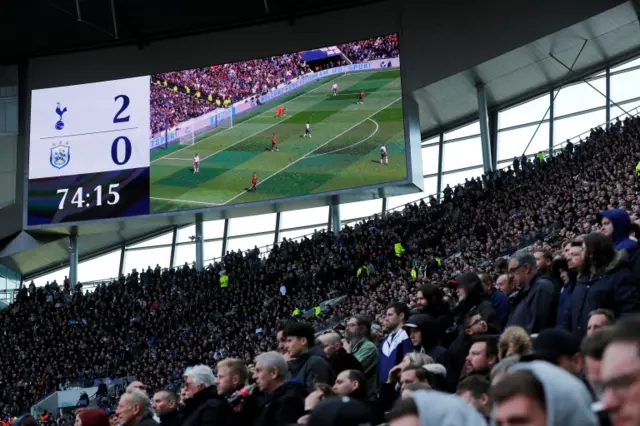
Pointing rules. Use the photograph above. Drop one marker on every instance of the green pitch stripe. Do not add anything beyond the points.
(351, 159)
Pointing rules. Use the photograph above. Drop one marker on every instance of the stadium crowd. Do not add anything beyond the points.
(241, 80)
(518, 293)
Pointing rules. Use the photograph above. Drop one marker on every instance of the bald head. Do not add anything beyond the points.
(137, 385)
(331, 343)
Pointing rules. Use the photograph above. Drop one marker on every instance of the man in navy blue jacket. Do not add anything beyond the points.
(616, 225)
(397, 343)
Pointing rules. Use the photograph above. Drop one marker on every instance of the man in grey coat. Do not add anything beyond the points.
(538, 304)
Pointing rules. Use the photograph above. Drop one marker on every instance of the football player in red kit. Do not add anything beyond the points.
(279, 112)
(274, 143)
(254, 182)
(361, 97)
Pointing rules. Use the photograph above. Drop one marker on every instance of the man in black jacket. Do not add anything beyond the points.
(284, 403)
(536, 311)
(232, 376)
(306, 368)
(165, 404)
(204, 407)
(337, 356)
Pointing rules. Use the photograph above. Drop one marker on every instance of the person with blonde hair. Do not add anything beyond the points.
(514, 341)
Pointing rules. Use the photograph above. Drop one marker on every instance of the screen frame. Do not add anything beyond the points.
(413, 162)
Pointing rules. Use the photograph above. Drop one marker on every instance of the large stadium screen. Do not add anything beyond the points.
(299, 124)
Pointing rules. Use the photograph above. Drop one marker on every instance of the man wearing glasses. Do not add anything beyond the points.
(537, 308)
(620, 373)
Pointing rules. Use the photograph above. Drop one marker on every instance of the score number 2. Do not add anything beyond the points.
(119, 118)
(79, 201)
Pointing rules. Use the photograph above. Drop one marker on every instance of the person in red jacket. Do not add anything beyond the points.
(254, 182)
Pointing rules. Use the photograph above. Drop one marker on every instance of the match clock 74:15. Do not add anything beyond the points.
(81, 199)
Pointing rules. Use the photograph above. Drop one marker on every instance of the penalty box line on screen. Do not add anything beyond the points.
(177, 200)
(169, 156)
(315, 149)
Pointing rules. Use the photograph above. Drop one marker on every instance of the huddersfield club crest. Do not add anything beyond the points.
(60, 155)
(60, 111)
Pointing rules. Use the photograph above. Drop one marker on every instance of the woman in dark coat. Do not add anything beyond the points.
(604, 281)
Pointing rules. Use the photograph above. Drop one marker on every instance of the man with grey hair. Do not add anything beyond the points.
(538, 303)
(284, 402)
(134, 409)
(204, 406)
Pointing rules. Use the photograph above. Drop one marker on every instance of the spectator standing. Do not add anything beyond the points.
(397, 343)
(592, 349)
(562, 274)
(134, 409)
(335, 353)
(536, 309)
(429, 300)
(475, 390)
(359, 344)
(284, 402)
(498, 299)
(306, 368)
(616, 225)
(605, 281)
(204, 407)
(165, 405)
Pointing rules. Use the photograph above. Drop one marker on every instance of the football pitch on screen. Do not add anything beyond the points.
(343, 151)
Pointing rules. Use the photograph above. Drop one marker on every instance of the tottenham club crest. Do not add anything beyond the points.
(60, 155)
(60, 112)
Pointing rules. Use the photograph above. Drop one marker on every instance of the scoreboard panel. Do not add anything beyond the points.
(181, 141)
(89, 151)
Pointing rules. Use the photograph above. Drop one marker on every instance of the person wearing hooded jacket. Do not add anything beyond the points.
(616, 224)
(424, 333)
(605, 281)
(472, 299)
(552, 394)
(431, 407)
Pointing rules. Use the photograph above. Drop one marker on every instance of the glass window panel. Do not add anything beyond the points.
(432, 140)
(247, 243)
(430, 188)
(453, 179)
(297, 218)
(632, 108)
(298, 233)
(572, 127)
(458, 155)
(252, 224)
(580, 97)
(100, 268)
(185, 233)
(185, 253)
(212, 251)
(213, 229)
(430, 159)
(512, 143)
(155, 241)
(534, 110)
(472, 129)
(360, 209)
(626, 65)
(57, 276)
(141, 259)
(625, 86)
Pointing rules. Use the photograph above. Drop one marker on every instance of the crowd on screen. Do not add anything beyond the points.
(518, 286)
(242, 80)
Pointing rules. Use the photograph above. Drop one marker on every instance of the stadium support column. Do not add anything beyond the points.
(225, 237)
(552, 124)
(440, 165)
(174, 240)
(485, 137)
(608, 95)
(335, 217)
(73, 256)
(276, 234)
(123, 253)
(199, 243)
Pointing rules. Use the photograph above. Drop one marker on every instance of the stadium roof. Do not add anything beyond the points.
(514, 60)
(567, 55)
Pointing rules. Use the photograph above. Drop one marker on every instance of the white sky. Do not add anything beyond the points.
(625, 90)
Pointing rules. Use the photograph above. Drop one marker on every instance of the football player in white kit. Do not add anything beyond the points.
(384, 157)
(196, 163)
(335, 89)
(307, 130)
